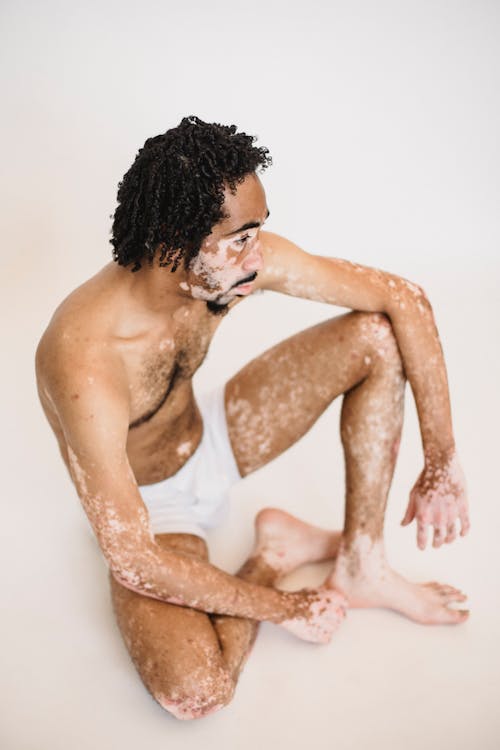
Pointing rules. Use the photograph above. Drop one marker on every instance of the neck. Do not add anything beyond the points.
(158, 288)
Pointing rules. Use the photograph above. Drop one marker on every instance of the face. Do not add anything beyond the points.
(231, 254)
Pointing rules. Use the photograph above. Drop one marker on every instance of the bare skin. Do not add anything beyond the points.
(114, 372)
(190, 661)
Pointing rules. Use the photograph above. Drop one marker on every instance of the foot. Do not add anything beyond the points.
(284, 542)
(362, 574)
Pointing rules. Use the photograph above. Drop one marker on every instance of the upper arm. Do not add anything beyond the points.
(291, 270)
(90, 395)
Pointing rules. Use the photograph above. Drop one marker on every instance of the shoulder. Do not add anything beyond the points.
(69, 341)
(82, 322)
(75, 350)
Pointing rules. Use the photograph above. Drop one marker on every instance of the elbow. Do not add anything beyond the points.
(130, 575)
(147, 575)
(133, 570)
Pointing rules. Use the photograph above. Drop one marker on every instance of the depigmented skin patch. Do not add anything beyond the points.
(143, 566)
(277, 397)
(305, 373)
(215, 271)
(359, 355)
(439, 499)
(362, 573)
(187, 669)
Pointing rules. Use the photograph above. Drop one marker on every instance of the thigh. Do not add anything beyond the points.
(174, 649)
(276, 398)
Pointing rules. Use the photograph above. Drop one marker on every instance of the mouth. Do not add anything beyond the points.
(246, 280)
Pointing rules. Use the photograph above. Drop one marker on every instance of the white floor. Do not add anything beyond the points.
(384, 682)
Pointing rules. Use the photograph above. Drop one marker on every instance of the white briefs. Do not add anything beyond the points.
(197, 496)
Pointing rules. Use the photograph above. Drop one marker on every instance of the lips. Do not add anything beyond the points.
(246, 280)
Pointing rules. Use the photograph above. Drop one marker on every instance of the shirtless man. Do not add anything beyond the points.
(152, 465)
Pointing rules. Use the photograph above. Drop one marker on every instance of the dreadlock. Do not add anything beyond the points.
(172, 195)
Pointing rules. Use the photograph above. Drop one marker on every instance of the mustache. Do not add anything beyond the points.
(249, 278)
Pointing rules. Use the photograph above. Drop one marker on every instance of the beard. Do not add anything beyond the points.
(216, 309)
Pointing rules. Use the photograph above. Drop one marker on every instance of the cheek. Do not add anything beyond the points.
(228, 253)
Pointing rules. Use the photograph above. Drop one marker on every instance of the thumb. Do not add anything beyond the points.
(408, 517)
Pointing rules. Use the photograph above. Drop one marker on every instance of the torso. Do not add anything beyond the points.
(160, 354)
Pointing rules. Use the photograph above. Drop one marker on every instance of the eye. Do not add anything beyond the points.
(242, 240)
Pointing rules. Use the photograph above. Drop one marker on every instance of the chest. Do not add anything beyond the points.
(169, 357)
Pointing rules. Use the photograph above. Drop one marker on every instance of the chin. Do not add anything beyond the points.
(217, 308)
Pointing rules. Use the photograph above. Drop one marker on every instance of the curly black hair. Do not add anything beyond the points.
(172, 195)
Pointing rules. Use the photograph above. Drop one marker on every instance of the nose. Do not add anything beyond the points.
(254, 261)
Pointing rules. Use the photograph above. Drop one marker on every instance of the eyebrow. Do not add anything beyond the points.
(248, 225)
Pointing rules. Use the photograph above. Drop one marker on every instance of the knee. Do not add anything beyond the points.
(197, 702)
(376, 330)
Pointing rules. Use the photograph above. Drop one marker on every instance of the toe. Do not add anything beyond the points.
(454, 597)
(444, 589)
(454, 616)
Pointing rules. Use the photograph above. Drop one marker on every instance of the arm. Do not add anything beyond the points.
(93, 408)
(439, 496)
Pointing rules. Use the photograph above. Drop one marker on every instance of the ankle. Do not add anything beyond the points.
(359, 554)
(259, 569)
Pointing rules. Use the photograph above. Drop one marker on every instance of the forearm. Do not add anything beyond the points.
(422, 355)
(185, 580)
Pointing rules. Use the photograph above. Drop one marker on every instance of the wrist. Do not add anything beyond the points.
(439, 453)
(287, 606)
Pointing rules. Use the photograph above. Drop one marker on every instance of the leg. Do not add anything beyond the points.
(278, 396)
(189, 667)
(283, 543)
(371, 422)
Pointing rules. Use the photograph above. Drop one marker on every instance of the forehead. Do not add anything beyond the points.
(248, 203)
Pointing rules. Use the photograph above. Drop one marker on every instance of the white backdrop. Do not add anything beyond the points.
(382, 119)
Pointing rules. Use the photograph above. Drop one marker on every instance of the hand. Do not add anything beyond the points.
(319, 612)
(438, 498)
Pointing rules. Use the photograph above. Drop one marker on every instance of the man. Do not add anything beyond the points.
(153, 465)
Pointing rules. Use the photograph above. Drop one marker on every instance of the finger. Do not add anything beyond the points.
(451, 532)
(439, 534)
(340, 614)
(464, 522)
(421, 534)
(339, 601)
(409, 515)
